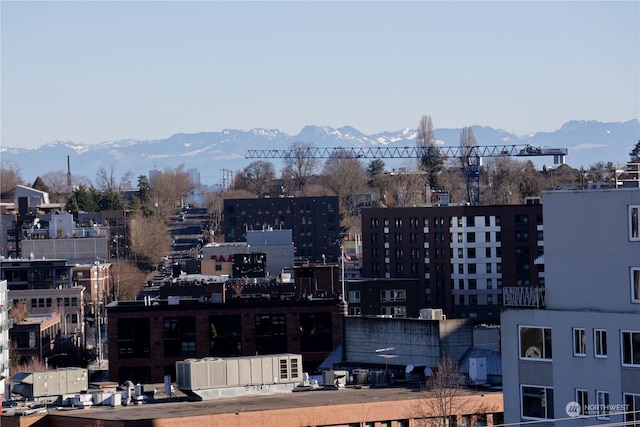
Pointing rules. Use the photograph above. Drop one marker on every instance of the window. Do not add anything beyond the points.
(582, 399)
(600, 342)
(602, 408)
(632, 408)
(536, 402)
(315, 332)
(354, 296)
(355, 311)
(535, 343)
(271, 333)
(393, 295)
(133, 338)
(634, 227)
(224, 335)
(579, 342)
(397, 311)
(630, 348)
(635, 284)
(179, 336)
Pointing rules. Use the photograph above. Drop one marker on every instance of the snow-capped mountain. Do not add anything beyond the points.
(210, 152)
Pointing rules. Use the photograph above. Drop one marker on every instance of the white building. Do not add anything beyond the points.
(582, 342)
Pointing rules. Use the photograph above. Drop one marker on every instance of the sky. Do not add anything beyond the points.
(89, 71)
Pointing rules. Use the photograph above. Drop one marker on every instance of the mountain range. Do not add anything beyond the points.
(588, 142)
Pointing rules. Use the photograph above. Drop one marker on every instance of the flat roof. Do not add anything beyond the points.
(177, 408)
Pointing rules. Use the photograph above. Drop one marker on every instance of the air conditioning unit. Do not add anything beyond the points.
(432, 314)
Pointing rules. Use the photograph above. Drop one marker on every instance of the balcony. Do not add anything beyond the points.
(524, 296)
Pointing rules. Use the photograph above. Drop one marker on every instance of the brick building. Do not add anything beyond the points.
(145, 340)
(460, 255)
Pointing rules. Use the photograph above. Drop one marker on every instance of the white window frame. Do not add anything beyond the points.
(393, 295)
(354, 296)
(582, 398)
(634, 223)
(602, 404)
(579, 342)
(622, 343)
(634, 278)
(546, 416)
(543, 350)
(632, 416)
(600, 347)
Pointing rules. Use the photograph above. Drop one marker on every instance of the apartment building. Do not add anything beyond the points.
(145, 340)
(314, 221)
(572, 353)
(461, 255)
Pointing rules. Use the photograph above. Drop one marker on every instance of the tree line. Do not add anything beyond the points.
(357, 184)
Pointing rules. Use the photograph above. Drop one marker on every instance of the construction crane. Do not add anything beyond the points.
(469, 155)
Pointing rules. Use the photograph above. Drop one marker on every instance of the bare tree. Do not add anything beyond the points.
(106, 180)
(149, 237)
(507, 179)
(255, 178)
(168, 189)
(408, 188)
(444, 398)
(214, 202)
(455, 184)
(299, 165)
(10, 176)
(467, 139)
(127, 280)
(59, 189)
(431, 160)
(345, 175)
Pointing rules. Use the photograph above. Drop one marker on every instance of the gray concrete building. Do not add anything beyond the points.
(573, 353)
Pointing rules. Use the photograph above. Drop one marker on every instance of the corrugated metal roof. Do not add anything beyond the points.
(493, 358)
(334, 358)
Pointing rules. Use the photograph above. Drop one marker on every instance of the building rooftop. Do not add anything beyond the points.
(165, 408)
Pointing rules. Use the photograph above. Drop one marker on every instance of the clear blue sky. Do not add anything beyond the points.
(99, 71)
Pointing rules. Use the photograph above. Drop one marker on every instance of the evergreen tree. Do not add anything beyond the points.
(635, 153)
(83, 199)
(39, 184)
(144, 189)
(109, 200)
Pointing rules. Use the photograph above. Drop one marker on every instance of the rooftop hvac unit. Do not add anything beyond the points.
(337, 379)
(432, 314)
